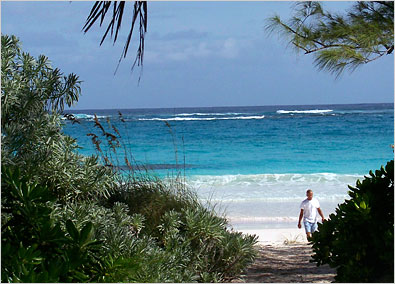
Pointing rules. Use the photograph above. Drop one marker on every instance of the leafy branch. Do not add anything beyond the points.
(364, 34)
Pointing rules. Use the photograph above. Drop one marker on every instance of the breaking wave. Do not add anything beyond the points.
(312, 111)
(272, 187)
(200, 118)
(207, 114)
(265, 179)
(86, 116)
(270, 198)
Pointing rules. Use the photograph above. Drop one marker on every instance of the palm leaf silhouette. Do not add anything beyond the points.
(99, 12)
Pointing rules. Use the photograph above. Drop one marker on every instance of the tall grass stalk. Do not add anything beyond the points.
(175, 217)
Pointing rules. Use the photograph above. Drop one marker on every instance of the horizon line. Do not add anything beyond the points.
(228, 106)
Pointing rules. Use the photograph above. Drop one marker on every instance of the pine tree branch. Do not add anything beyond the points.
(388, 4)
(300, 35)
(341, 42)
(330, 46)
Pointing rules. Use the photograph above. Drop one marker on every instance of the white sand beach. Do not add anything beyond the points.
(278, 236)
(284, 256)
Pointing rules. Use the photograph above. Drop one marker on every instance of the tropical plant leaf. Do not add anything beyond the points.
(86, 233)
(99, 11)
(72, 230)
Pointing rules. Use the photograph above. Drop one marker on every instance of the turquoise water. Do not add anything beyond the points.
(256, 161)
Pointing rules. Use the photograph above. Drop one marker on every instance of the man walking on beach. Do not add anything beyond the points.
(308, 211)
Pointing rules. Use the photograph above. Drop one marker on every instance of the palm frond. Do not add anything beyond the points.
(100, 10)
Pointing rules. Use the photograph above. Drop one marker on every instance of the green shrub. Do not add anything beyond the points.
(359, 239)
(33, 95)
(69, 218)
(36, 249)
(213, 251)
(118, 231)
(151, 197)
(190, 236)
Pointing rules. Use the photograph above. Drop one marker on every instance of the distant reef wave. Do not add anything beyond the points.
(86, 116)
(312, 111)
(201, 118)
(208, 114)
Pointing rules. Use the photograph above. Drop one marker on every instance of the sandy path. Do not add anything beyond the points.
(284, 264)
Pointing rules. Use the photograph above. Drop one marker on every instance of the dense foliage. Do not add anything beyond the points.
(70, 218)
(363, 34)
(36, 249)
(32, 96)
(359, 239)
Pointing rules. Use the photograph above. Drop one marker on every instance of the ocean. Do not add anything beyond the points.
(255, 163)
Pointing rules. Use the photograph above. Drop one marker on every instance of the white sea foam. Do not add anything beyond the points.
(264, 179)
(87, 116)
(207, 114)
(270, 198)
(311, 111)
(272, 187)
(200, 118)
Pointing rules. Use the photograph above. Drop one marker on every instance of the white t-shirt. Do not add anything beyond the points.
(310, 209)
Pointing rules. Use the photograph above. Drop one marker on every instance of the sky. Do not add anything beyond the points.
(197, 54)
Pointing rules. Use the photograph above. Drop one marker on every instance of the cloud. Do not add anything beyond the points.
(163, 51)
(230, 48)
(189, 34)
(177, 52)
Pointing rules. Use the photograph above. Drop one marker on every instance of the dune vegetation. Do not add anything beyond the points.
(72, 218)
(358, 239)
